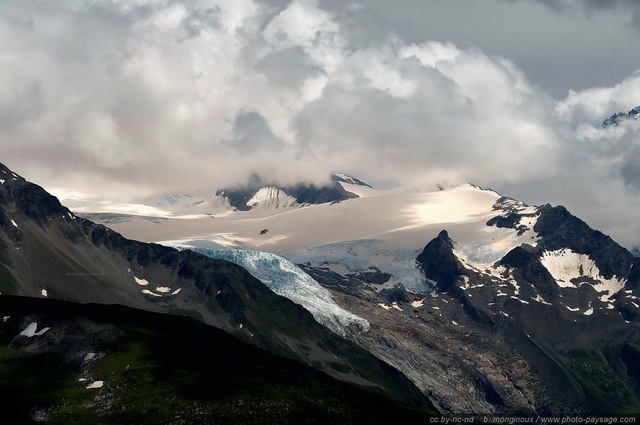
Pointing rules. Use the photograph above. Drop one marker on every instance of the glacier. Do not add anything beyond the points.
(360, 255)
(287, 280)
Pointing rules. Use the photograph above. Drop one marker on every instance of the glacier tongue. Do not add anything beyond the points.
(286, 279)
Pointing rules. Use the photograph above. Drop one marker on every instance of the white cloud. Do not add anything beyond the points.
(593, 105)
(131, 97)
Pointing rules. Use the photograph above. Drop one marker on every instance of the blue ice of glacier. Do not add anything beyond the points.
(286, 279)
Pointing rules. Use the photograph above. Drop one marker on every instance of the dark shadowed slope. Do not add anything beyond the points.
(67, 363)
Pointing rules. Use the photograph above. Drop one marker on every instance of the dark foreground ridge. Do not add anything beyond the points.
(65, 363)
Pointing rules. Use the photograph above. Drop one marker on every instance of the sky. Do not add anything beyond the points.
(125, 98)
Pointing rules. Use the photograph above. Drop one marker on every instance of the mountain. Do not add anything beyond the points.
(487, 304)
(257, 197)
(258, 194)
(618, 117)
(90, 363)
(284, 278)
(546, 325)
(47, 251)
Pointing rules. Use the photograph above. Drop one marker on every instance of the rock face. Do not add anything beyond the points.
(47, 251)
(439, 263)
(260, 194)
(618, 117)
(548, 328)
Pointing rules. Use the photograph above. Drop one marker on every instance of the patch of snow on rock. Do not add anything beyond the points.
(565, 265)
(148, 292)
(163, 289)
(141, 282)
(95, 384)
(541, 300)
(271, 197)
(416, 304)
(44, 293)
(30, 330)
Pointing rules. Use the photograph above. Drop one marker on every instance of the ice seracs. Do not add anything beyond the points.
(286, 279)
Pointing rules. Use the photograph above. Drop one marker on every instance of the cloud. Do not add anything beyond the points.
(630, 7)
(133, 97)
(428, 112)
(594, 105)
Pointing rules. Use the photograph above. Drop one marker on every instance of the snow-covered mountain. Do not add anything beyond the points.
(48, 252)
(257, 196)
(263, 195)
(485, 303)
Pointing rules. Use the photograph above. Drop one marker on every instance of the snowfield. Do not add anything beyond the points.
(386, 229)
(382, 230)
(400, 218)
(566, 266)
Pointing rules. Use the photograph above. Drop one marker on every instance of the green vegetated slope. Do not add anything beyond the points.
(156, 368)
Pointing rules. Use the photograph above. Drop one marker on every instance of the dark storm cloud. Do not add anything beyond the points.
(558, 49)
(252, 134)
(590, 5)
(630, 169)
(287, 67)
(627, 8)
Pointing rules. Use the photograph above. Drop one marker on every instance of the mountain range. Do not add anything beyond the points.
(470, 300)
(46, 251)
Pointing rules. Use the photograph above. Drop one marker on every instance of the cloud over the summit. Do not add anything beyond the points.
(132, 97)
(144, 91)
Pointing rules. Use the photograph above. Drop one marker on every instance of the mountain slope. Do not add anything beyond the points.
(487, 304)
(72, 363)
(261, 195)
(47, 251)
(535, 314)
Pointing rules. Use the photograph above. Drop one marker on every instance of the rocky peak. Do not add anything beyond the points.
(559, 229)
(439, 263)
(618, 117)
(243, 197)
(344, 178)
(27, 198)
